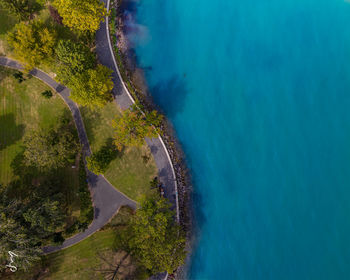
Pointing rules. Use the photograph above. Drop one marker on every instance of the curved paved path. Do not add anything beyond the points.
(106, 199)
(124, 99)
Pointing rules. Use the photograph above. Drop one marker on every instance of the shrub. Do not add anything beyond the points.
(58, 238)
(19, 76)
(47, 93)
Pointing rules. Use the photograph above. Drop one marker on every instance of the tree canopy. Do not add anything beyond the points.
(132, 127)
(74, 58)
(83, 15)
(153, 237)
(92, 87)
(32, 43)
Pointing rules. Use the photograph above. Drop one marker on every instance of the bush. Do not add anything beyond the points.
(19, 76)
(47, 94)
(58, 238)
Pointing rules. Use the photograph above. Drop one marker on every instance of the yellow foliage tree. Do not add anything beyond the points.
(83, 15)
(92, 87)
(32, 43)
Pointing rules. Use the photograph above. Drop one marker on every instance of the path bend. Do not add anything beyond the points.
(106, 199)
(124, 99)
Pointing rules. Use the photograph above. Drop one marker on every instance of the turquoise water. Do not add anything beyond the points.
(259, 94)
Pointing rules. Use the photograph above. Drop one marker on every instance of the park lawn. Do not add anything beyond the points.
(23, 108)
(133, 169)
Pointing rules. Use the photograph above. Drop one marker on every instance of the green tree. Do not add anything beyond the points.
(32, 43)
(92, 87)
(153, 237)
(50, 150)
(45, 218)
(23, 9)
(74, 58)
(133, 126)
(83, 15)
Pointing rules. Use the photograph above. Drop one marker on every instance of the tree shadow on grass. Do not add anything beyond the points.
(10, 132)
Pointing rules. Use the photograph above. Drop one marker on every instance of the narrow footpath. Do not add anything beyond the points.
(124, 99)
(106, 199)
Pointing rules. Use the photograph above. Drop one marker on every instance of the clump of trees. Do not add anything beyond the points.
(153, 238)
(51, 149)
(82, 15)
(131, 128)
(32, 43)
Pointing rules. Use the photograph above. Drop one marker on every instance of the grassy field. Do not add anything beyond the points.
(133, 169)
(23, 108)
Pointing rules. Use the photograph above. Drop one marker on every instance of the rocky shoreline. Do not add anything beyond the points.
(136, 79)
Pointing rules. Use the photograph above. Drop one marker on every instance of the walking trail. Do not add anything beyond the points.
(106, 199)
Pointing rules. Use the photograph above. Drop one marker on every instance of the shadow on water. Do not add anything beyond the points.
(170, 95)
(10, 132)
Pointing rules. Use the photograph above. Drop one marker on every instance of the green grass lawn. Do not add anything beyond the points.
(23, 108)
(133, 169)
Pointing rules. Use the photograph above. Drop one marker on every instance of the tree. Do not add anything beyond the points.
(23, 9)
(153, 237)
(45, 218)
(50, 150)
(32, 43)
(132, 127)
(83, 15)
(74, 58)
(92, 87)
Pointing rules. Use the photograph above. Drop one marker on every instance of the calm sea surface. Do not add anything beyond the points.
(259, 94)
